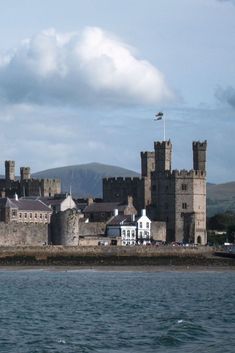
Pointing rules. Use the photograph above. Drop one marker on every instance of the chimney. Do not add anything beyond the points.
(143, 212)
(129, 200)
(90, 201)
(115, 212)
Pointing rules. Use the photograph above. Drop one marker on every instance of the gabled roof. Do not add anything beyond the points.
(121, 220)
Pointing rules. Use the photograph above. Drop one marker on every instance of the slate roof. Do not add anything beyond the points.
(25, 204)
(122, 220)
(102, 207)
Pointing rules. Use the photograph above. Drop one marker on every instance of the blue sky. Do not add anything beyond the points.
(80, 81)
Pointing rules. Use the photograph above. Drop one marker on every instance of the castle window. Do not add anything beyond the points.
(184, 205)
(184, 187)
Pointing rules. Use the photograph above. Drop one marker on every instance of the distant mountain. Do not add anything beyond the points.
(85, 179)
(220, 198)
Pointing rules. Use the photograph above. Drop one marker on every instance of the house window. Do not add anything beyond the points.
(141, 233)
(20, 215)
(40, 216)
(123, 232)
(132, 233)
(25, 215)
(128, 233)
(184, 205)
(14, 213)
(45, 216)
(30, 215)
(141, 225)
(184, 187)
(36, 215)
(147, 224)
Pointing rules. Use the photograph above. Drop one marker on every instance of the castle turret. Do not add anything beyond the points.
(163, 152)
(199, 155)
(147, 163)
(25, 173)
(10, 170)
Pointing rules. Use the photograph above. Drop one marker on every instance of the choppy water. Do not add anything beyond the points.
(116, 312)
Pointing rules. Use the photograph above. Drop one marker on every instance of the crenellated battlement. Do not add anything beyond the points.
(147, 154)
(184, 174)
(121, 179)
(198, 145)
(162, 144)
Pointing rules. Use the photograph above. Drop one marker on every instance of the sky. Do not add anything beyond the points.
(81, 81)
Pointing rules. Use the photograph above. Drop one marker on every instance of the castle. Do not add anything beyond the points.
(172, 196)
(26, 186)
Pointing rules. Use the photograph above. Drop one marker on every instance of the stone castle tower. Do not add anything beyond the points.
(175, 197)
(179, 197)
(26, 186)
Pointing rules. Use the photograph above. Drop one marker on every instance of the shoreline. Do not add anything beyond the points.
(147, 269)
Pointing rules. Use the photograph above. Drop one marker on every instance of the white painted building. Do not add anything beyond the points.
(143, 229)
(130, 230)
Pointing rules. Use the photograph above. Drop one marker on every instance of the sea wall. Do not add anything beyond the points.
(112, 256)
(23, 234)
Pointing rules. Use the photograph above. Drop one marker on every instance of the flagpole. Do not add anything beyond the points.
(164, 128)
(160, 116)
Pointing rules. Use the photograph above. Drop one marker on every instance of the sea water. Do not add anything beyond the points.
(86, 311)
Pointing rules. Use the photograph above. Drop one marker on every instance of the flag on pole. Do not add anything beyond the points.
(159, 116)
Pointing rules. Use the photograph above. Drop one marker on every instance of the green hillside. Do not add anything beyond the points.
(85, 179)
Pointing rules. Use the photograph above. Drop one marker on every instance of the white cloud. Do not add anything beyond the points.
(91, 67)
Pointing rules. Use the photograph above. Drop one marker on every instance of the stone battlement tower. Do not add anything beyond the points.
(199, 155)
(179, 197)
(163, 154)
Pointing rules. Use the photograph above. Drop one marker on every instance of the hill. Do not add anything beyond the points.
(85, 179)
(220, 198)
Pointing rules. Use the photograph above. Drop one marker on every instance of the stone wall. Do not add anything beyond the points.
(15, 234)
(91, 229)
(158, 231)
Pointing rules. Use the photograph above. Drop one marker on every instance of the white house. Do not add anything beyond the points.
(143, 229)
(130, 230)
(124, 227)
